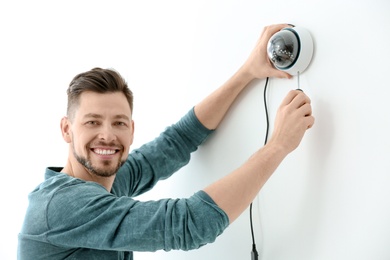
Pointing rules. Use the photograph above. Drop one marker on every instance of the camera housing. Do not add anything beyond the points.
(291, 50)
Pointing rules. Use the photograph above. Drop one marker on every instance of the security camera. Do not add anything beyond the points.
(291, 50)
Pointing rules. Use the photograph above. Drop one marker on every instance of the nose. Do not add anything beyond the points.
(106, 133)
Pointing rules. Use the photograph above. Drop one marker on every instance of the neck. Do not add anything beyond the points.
(82, 173)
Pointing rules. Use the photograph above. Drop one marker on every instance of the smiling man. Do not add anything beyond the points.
(104, 128)
(86, 210)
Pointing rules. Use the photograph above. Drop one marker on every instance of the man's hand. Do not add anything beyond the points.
(258, 64)
(293, 118)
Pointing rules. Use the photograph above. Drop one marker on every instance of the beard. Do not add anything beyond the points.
(106, 171)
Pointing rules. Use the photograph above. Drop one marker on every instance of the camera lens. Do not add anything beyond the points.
(283, 49)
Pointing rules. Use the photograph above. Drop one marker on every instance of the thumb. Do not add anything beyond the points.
(281, 74)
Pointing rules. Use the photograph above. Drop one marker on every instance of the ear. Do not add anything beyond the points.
(65, 129)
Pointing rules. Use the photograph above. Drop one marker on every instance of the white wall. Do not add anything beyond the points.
(330, 199)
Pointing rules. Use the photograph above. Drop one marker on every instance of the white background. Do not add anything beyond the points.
(330, 199)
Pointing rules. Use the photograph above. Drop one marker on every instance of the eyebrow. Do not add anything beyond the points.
(97, 116)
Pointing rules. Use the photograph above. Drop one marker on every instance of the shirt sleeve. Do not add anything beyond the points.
(85, 216)
(160, 158)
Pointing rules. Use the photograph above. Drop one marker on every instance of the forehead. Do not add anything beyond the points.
(111, 104)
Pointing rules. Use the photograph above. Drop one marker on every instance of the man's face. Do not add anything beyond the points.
(101, 132)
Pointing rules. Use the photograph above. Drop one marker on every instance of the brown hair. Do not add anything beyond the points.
(97, 80)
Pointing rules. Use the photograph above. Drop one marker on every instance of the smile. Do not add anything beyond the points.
(104, 151)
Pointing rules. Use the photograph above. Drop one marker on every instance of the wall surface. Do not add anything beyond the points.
(330, 199)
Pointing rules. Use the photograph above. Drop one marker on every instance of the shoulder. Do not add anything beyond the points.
(62, 193)
(57, 183)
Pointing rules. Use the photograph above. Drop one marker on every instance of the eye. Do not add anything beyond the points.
(120, 123)
(92, 123)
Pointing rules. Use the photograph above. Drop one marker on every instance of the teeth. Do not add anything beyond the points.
(104, 152)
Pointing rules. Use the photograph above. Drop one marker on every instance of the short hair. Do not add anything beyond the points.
(97, 80)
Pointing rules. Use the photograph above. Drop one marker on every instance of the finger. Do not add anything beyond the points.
(280, 74)
(300, 99)
(310, 121)
(272, 29)
(305, 110)
(273, 72)
(290, 97)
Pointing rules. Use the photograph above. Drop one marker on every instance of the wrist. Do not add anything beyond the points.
(245, 74)
(277, 149)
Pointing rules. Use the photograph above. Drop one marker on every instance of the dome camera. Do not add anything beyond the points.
(291, 50)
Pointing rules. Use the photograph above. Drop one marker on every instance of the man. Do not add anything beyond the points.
(85, 210)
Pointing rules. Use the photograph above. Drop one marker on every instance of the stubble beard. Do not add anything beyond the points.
(107, 171)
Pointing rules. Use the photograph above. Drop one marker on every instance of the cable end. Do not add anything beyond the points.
(254, 254)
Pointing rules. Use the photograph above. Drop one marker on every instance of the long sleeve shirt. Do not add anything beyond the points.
(69, 218)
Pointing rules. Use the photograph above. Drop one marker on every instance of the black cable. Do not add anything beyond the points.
(254, 254)
(266, 111)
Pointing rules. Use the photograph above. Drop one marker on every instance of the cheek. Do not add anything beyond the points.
(126, 145)
(126, 141)
(127, 138)
(80, 143)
